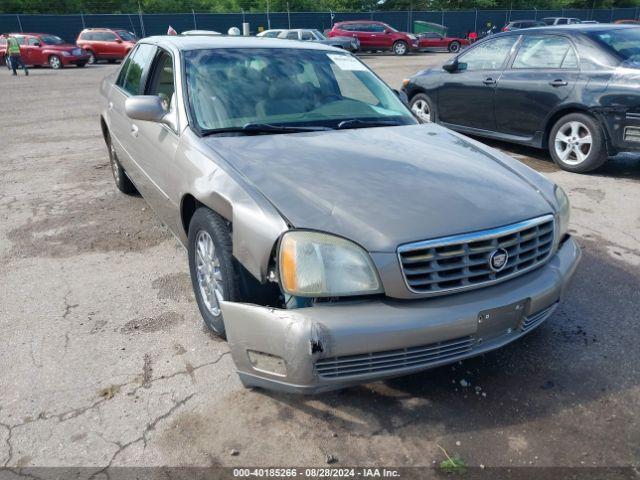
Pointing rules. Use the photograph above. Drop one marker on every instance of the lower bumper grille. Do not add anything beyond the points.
(392, 359)
(422, 356)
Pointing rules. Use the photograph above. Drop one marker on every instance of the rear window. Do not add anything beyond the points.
(624, 42)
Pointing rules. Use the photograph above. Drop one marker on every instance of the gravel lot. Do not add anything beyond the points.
(106, 361)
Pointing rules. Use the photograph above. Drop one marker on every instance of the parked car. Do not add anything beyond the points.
(627, 22)
(519, 24)
(270, 33)
(41, 49)
(352, 44)
(436, 41)
(331, 237)
(561, 20)
(109, 44)
(561, 88)
(376, 36)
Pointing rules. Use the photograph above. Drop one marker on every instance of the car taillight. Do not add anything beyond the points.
(505, 29)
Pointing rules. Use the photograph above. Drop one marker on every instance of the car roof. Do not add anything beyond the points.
(574, 28)
(359, 21)
(195, 42)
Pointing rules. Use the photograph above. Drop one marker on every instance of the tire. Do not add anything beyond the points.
(207, 230)
(422, 106)
(92, 57)
(569, 147)
(400, 48)
(454, 47)
(81, 64)
(112, 60)
(122, 181)
(55, 62)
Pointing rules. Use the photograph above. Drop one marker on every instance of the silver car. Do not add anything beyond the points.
(332, 238)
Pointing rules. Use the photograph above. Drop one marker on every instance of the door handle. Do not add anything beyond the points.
(134, 130)
(559, 83)
(489, 81)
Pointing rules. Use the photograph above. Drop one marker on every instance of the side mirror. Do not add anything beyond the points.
(37, 44)
(387, 31)
(118, 41)
(402, 95)
(454, 66)
(148, 108)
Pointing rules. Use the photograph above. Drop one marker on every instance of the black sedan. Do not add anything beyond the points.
(572, 89)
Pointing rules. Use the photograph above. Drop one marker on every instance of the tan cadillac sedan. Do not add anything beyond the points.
(332, 238)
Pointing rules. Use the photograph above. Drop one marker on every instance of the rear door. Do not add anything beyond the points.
(466, 97)
(542, 75)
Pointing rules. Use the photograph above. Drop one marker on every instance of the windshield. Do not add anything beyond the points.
(51, 40)
(624, 41)
(126, 36)
(230, 88)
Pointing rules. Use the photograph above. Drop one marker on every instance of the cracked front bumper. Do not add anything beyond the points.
(326, 347)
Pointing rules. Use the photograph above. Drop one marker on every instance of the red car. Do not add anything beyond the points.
(44, 49)
(106, 43)
(435, 41)
(376, 36)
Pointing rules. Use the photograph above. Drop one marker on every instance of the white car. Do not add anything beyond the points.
(271, 33)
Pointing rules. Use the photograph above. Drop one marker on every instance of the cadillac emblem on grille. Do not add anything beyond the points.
(498, 259)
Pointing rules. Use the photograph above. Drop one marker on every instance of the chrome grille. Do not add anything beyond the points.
(632, 134)
(345, 366)
(461, 262)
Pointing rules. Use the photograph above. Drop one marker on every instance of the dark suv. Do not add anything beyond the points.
(106, 43)
(376, 36)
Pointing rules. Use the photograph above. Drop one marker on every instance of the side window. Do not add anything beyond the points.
(21, 40)
(34, 41)
(292, 35)
(545, 52)
(377, 28)
(307, 36)
(162, 80)
(138, 64)
(490, 55)
(109, 37)
(562, 21)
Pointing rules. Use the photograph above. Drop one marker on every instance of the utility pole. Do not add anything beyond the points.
(268, 17)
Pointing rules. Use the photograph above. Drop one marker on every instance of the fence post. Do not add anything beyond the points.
(268, 17)
(442, 18)
(195, 24)
(535, 13)
(288, 16)
(141, 21)
(19, 22)
(131, 23)
(475, 22)
(611, 16)
(82, 20)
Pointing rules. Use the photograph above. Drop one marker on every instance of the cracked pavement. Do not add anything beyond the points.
(106, 361)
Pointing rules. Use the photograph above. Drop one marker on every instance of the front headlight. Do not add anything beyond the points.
(412, 37)
(314, 264)
(562, 217)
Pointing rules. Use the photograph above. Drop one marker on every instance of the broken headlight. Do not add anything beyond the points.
(562, 215)
(314, 264)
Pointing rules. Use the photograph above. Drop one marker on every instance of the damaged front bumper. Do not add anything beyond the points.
(331, 346)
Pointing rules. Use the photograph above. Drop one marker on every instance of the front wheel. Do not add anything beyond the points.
(577, 143)
(454, 47)
(92, 57)
(422, 107)
(55, 62)
(400, 48)
(213, 273)
(81, 64)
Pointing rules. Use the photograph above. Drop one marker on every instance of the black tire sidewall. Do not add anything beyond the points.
(406, 48)
(425, 97)
(216, 227)
(124, 184)
(598, 154)
(454, 47)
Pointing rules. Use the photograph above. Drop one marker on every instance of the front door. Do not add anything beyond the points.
(467, 95)
(33, 52)
(543, 74)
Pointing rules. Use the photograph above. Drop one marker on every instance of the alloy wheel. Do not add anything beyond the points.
(55, 62)
(573, 143)
(208, 272)
(400, 48)
(421, 109)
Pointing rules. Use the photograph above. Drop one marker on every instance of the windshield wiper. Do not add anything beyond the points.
(357, 123)
(258, 128)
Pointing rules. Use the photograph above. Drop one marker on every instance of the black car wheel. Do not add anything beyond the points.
(81, 64)
(454, 47)
(577, 143)
(422, 107)
(123, 183)
(213, 273)
(400, 48)
(92, 57)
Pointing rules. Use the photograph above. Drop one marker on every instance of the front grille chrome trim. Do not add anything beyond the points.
(458, 248)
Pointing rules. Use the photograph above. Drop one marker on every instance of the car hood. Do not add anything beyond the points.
(385, 186)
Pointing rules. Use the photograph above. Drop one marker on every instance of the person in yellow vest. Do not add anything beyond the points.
(13, 55)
